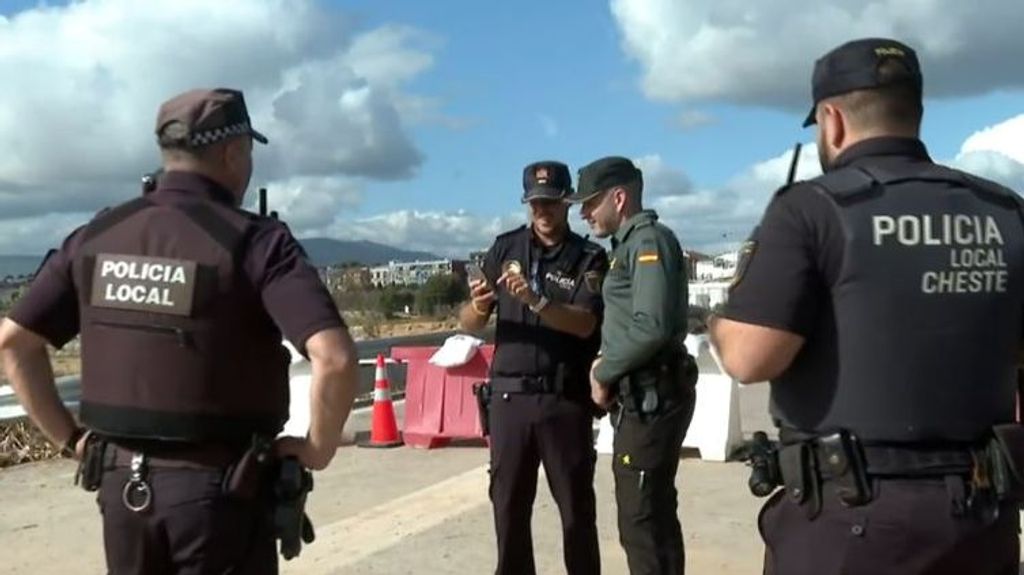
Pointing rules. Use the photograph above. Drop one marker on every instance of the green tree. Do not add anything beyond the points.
(441, 292)
(393, 299)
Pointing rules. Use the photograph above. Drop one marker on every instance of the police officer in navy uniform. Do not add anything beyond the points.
(181, 299)
(545, 281)
(883, 300)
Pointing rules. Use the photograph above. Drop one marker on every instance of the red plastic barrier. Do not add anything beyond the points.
(439, 401)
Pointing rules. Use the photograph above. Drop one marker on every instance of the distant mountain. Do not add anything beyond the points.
(18, 265)
(325, 251)
(322, 251)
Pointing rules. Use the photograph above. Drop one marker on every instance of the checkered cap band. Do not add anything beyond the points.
(207, 137)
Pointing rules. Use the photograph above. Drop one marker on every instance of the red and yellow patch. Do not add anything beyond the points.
(647, 257)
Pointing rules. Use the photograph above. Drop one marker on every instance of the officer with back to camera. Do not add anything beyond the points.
(883, 300)
(181, 299)
(545, 281)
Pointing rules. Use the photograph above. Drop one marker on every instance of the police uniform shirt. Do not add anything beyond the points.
(524, 345)
(274, 261)
(645, 294)
(792, 266)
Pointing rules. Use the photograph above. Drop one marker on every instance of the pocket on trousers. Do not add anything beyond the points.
(633, 492)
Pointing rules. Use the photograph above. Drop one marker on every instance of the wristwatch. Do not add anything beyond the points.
(540, 305)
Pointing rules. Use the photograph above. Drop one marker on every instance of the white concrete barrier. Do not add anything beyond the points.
(715, 429)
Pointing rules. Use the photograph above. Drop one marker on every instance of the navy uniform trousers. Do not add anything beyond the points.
(908, 529)
(526, 430)
(190, 528)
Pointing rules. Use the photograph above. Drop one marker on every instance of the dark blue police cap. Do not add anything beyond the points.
(854, 66)
(547, 180)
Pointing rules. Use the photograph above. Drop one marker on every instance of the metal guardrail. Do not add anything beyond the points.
(69, 387)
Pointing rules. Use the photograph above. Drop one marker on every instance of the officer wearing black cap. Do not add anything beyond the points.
(182, 300)
(545, 281)
(643, 367)
(883, 300)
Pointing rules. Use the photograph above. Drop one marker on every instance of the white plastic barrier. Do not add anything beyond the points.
(298, 406)
(715, 429)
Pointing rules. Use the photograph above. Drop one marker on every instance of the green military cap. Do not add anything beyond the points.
(603, 174)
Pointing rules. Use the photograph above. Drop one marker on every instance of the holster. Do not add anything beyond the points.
(800, 477)
(245, 478)
(89, 474)
(672, 375)
(1004, 455)
(291, 524)
(841, 460)
(482, 391)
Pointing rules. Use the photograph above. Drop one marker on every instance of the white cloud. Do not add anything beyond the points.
(716, 220)
(763, 52)
(35, 235)
(309, 203)
(661, 179)
(77, 130)
(1006, 138)
(452, 234)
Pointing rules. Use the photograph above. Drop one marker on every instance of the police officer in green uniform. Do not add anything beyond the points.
(643, 374)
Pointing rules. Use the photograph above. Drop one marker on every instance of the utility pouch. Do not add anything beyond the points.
(245, 478)
(841, 459)
(482, 391)
(89, 474)
(800, 477)
(1005, 455)
(292, 526)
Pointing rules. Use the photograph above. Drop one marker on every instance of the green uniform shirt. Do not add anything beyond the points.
(645, 296)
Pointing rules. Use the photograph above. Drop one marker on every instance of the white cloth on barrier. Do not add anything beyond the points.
(457, 350)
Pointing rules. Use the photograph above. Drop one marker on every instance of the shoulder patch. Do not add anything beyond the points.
(743, 262)
(593, 280)
(647, 255)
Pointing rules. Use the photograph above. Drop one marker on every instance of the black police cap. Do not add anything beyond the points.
(854, 66)
(547, 180)
(603, 174)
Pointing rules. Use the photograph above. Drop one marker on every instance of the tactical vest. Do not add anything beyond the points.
(523, 343)
(920, 341)
(175, 342)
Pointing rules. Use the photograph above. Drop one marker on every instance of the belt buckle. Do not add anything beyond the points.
(137, 487)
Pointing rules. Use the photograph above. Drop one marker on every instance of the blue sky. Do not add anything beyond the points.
(409, 122)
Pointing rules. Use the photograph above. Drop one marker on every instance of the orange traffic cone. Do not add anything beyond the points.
(384, 430)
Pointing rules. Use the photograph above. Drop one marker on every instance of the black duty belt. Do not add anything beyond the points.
(526, 384)
(905, 460)
(911, 461)
(191, 457)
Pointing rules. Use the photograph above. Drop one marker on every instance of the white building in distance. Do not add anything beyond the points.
(414, 273)
(720, 267)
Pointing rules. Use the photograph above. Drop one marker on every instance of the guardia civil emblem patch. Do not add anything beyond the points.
(593, 281)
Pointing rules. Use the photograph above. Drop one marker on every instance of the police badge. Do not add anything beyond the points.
(593, 280)
(512, 267)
